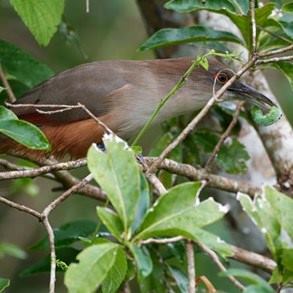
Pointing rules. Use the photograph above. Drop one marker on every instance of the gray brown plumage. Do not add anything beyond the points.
(122, 94)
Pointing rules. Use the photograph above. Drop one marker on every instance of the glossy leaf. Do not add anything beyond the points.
(69, 233)
(233, 157)
(176, 36)
(286, 19)
(42, 17)
(143, 259)
(117, 273)
(212, 241)
(237, 13)
(21, 66)
(143, 203)
(4, 283)
(180, 279)
(24, 133)
(95, 262)
(177, 212)
(6, 114)
(111, 220)
(272, 213)
(121, 184)
(193, 5)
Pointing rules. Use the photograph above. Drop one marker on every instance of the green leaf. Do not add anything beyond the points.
(233, 157)
(143, 259)
(40, 16)
(270, 118)
(121, 183)
(143, 203)
(282, 205)
(12, 250)
(69, 233)
(65, 255)
(22, 66)
(236, 14)
(286, 68)
(117, 273)
(286, 20)
(4, 283)
(6, 114)
(187, 6)
(176, 36)
(212, 241)
(177, 212)
(180, 278)
(95, 262)
(25, 133)
(111, 220)
(258, 283)
(206, 140)
(272, 213)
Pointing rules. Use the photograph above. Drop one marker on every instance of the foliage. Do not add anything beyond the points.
(40, 16)
(178, 212)
(4, 283)
(22, 131)
(272, 213)
(117, 247)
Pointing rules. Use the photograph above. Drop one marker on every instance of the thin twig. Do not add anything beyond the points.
(215, 181)
(33, 172)
(274, 59)
(253, 26)
(162, 240)
(199, 116)
(253, 259)
(214, 257)
(21, 208)
(275, 52)
(10, 166)
(60, 109)
(190, 267)
(65, 195)
(87, 4)
(11, 96)
(225, 135)
(51, 238)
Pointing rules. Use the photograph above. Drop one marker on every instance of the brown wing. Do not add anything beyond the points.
(72, 131)
(88, 84)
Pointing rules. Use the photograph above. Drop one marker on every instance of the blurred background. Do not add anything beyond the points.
(113, 29)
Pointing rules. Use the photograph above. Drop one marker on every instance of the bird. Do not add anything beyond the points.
(123, 95)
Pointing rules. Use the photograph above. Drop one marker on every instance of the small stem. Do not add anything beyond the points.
(275, 52)
(11, 96)
(51, 238)
(253, 26)
(224, 135)
(274, 59)
(219, 264)
(190, 267)
(164, 100)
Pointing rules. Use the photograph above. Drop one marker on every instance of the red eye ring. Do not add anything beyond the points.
(222, 77)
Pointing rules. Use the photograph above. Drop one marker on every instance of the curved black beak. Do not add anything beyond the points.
(252, 96)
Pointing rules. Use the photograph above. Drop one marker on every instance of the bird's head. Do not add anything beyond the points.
(218, 74)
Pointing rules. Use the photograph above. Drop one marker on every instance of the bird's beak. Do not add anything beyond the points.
(252, 96)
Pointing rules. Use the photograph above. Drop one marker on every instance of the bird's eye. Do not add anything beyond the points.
(223, 77)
